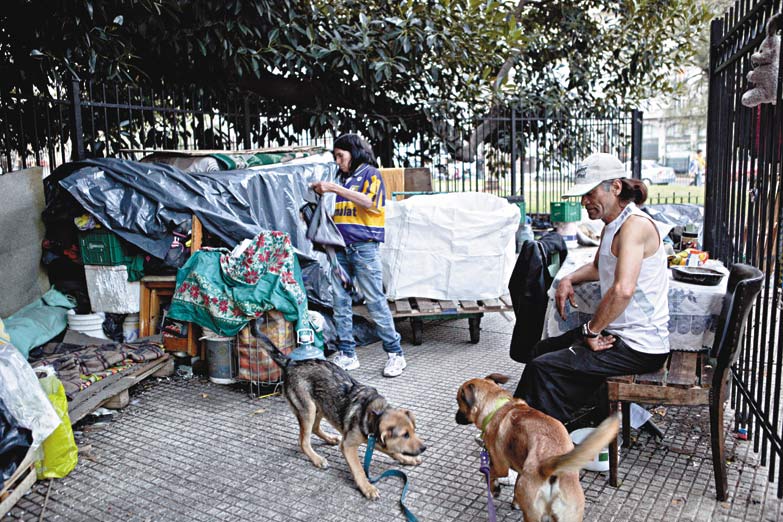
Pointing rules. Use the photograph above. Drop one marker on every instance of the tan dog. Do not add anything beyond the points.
(535, 445)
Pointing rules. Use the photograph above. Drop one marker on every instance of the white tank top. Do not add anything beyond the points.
(644, 324)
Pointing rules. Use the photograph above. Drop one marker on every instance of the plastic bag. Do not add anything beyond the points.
(23, 395)
(60, 452)
(321, 229)
(14, 443)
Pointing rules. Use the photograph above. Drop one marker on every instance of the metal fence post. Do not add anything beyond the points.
(713, 154)
(247, 123)
(77, 130)
(637, 117)
(513, 151)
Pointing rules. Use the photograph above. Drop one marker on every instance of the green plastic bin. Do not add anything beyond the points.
(565, 211)
(101, 247)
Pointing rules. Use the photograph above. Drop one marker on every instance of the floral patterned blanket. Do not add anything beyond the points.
(223, 293)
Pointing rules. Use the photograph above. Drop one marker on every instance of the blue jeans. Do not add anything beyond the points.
(362, 262)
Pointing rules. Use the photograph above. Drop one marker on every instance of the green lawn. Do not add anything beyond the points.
(538, 197)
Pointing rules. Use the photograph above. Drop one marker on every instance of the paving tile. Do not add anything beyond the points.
(191, 450)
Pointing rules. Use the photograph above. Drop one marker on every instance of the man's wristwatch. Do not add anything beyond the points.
(587, 333)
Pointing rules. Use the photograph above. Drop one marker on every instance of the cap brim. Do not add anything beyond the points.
(579, 190)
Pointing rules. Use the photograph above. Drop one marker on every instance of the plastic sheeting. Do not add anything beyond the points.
(23, 395)
(145, 202)
(449, 246)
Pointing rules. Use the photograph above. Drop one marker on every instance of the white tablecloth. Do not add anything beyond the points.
(693, 309)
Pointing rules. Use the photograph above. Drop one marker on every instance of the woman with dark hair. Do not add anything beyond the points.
(360, 217)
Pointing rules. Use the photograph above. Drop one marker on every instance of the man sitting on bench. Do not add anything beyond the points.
(629, 332)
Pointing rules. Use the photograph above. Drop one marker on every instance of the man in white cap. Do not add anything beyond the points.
(628, 334)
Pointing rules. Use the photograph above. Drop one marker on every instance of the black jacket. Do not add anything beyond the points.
(528, 287)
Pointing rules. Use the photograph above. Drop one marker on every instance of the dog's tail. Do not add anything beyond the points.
(583, 453)
(274, 352)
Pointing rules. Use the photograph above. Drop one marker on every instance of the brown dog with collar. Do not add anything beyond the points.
(534, 445)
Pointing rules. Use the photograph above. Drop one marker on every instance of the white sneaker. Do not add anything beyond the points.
(395, 365)
(510, 479)
(346, 362)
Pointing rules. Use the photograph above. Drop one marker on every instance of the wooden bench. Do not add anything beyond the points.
(694, 379)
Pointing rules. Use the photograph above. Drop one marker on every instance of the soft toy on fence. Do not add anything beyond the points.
(765, 63)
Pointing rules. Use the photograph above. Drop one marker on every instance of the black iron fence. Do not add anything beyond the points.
(507, 152)
(742, 217)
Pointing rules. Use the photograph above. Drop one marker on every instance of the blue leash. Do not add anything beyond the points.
(388, 473)
(484, 468)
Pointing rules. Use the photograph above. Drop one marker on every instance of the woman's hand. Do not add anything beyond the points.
(600, 343)
(322, 187)
(565, 291)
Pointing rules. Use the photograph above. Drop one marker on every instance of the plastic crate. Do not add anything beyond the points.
(101, 247)
(565, 211)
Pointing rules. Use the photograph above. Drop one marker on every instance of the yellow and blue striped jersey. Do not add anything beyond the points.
(354, 222)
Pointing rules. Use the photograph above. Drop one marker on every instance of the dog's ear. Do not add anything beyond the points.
(469, 395)
(411, 417)
(497, 378)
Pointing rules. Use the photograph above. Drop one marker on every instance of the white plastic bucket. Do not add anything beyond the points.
(88, 324)
(130, 327)
(601, 461)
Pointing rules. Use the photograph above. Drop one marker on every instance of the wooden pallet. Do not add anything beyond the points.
(19, 484)
(418, 308)
(112, 391)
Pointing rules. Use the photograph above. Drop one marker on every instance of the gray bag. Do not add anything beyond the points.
(321, 229)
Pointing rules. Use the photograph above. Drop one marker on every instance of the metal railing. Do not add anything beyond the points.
(742, 217)
(507, 152)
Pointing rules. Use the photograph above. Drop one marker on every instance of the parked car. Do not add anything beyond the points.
(654, 173)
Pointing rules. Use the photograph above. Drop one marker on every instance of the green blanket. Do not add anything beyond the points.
(224, 293)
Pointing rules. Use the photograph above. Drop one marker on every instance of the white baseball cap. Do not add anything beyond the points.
(594, 170)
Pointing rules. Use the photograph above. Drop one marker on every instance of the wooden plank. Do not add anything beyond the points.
(657, 378)
(682, 370)
(393, 181)
(622, 378)
(92, 397)
(469, 306)
(506, 300)
(425, 305)
(196, 235)
(491, 304)
(418, 180)
(647, 393)
(707, 371)
(448, 307)
(403, 306)
(21, 487)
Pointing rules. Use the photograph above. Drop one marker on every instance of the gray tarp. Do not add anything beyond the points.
(145, 202)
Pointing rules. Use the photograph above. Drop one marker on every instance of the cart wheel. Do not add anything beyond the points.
(417, 325)
(474, 324)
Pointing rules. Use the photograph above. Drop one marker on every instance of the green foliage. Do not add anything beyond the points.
(388, 68)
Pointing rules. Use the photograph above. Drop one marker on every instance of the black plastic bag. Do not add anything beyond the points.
(15, 441)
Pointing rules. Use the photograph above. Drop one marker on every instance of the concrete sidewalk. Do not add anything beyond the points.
(191, 450)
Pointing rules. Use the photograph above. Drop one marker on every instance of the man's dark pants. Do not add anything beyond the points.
(566, 375)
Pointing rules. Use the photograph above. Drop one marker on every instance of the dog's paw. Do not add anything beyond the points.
(320, 462)
(370, 491)
(332, 440)
(415, 461)
(495, 489)
(514, 506)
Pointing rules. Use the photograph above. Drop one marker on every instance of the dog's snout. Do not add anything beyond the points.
(461, 418)
(422, 449)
